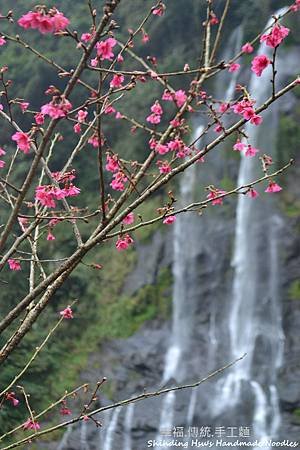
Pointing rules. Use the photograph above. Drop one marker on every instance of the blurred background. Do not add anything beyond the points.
(188, 298)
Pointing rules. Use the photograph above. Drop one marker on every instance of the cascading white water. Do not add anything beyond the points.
(248, 309)
(63, 443)
(109, 436)
(183, 266)
(180, 327)
(83, 436)
(127, 426)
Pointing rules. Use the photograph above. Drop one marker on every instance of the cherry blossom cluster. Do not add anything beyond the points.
(48, 194)
(57, 108)
(273, 39)
(46, 22)
(246, 148)
(245, 109)
(23, 141)
(124, 242)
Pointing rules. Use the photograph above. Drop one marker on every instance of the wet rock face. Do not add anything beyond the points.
(289, 375)
(137, 363)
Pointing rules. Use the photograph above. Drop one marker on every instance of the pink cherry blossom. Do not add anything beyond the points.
(50, 236)
(94, 141)
(259, 64)
(120, 58)
(251, 151)
(218, 128)
(247, 48)
(129, 219)
(81, 115)
(256, 119)
(213, 19)
(175, 144)
(77, 128)
(64, 411)
(252, 193)
(2, 164)
(154, 119)
(180, 97)
(245, 108)
(67, 313)
(167, 96)
(104, 49)
(164, 167)
(94, 62)
(31, 425)
(213, 194)
(176, 122)
(145, 37)
(119, 115)
(152, 143)
(86, 37)
(45, 23)
(121, 244)
(223, 107)
(248, 113)
(2, 41)
(57, 108)
(2, 152)
(124, 242)
(14, 264)
(39, 118)
(22, 140)
(159, 11)
(109, 110)
(239, 146)
(112, 163)
(275, 36)
(156, 108)
(46, 196)
(11, 396)
(118, 182)
(59, 21)
(24, 106)
(234, 67)
(273, 187)
(117, 81)
(71, 191)
(295, 6)
(36, 20)
(162, 149)
(242, 106)
(169, 220)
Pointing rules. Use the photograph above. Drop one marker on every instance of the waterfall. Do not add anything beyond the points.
(127, 426)
(254, 314)
(64, 441)
(83, 436)
(182, 307)
(109, 436)
(184, 268)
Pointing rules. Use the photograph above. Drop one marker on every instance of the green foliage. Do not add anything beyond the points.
(289, 134)
(294, 290)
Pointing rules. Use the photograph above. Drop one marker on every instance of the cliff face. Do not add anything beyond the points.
(136, 364)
